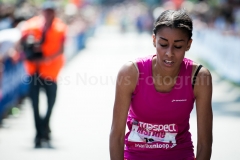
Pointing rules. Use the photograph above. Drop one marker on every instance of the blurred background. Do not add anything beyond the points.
(103, 35)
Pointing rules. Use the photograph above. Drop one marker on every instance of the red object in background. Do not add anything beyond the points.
(78, 3)
(178, 3)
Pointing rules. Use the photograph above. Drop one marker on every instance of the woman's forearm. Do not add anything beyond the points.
(116, 148)
(204, 152)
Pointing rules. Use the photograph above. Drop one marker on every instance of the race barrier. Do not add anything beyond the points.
(12, 85)
(220, 52)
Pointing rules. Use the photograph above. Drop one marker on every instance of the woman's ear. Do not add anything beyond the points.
(189, 44)
(154, 40)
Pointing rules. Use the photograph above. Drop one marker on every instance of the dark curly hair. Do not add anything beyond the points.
(174, 19)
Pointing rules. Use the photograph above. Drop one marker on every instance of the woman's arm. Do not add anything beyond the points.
(203, 94)
(125, 85)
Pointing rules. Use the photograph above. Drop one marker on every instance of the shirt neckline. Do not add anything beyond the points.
(151, 79)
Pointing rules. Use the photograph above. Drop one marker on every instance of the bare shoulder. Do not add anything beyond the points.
(128, 75)
(203, 82)
(204, 74)
(128, 69)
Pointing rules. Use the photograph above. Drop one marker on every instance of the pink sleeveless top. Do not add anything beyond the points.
(158, 122)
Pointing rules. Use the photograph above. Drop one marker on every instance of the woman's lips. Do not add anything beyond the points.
(168, 63)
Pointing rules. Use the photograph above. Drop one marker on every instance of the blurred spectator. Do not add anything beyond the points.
(6, 16)
(8, 43)
(221, 16)
(43, 39)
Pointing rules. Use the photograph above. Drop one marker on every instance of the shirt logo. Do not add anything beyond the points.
(179, 100)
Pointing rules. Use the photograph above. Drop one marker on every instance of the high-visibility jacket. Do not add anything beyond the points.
(54, 39)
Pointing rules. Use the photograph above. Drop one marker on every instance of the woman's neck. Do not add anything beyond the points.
(157, 70)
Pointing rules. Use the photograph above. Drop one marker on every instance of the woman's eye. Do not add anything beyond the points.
(163, 45)
(178, 47)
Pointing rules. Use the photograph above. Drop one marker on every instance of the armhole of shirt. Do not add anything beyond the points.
(135, 64)
(195, 73)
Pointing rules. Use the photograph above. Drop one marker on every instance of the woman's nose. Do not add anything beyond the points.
(169, 52)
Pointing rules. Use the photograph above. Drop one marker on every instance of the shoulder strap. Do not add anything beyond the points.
(195, 75)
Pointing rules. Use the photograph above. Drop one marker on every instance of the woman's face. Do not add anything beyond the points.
(171, 45)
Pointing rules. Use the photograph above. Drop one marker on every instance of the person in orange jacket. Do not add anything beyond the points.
(47, 33)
